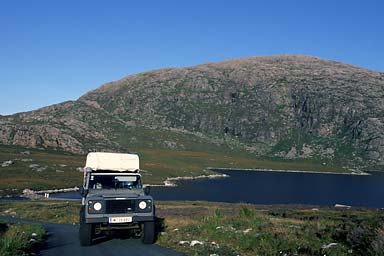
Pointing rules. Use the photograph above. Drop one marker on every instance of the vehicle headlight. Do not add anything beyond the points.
(97, 206)
(142, 205)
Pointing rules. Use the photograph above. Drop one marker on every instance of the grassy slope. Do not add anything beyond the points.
(16, 177)
(60, 168)
(232, 229)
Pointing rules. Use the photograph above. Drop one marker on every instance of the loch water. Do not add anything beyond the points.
(277, 188)
(282, 188)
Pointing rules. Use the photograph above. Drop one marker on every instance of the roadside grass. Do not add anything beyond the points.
(242, 229)
(62, 212)
(20, 238)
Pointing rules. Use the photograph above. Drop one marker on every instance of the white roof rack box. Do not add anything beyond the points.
(112, 161)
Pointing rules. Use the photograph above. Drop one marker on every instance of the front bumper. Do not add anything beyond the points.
(105, 219)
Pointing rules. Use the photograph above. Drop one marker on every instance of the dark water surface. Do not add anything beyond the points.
(281, 188)
(278, 188)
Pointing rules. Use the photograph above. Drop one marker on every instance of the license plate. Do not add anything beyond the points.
(120, 219)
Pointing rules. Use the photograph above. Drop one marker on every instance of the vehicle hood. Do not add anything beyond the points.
(103, 193)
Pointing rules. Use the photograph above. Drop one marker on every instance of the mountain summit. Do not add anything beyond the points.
(287, 106)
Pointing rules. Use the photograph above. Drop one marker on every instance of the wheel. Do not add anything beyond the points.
(148, 232)
(82, 214)
(86, 231)
(86, 234)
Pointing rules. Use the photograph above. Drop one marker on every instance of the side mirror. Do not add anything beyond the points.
(147, 190)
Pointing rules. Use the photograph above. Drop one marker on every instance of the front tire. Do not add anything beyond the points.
(86, 234)
(86, 231)
(148, 232)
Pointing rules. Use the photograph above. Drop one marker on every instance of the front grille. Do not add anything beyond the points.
(120, 206)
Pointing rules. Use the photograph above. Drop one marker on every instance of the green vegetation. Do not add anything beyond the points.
(233, 229)
(240, 229)
(332, 150)
(19, 238)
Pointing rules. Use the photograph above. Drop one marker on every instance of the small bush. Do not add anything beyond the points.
(246, 212)
(359, 239)
(18, 239)
(218, 213)
(377, 246)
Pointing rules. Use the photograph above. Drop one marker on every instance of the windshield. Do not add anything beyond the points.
(115, 182)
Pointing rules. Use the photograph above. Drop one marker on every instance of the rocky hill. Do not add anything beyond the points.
(287, 106)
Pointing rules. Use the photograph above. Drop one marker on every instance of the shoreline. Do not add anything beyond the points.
(171, 181)
(355, 172)
(31, 194)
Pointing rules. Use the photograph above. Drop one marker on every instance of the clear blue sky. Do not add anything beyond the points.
(52, 51)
